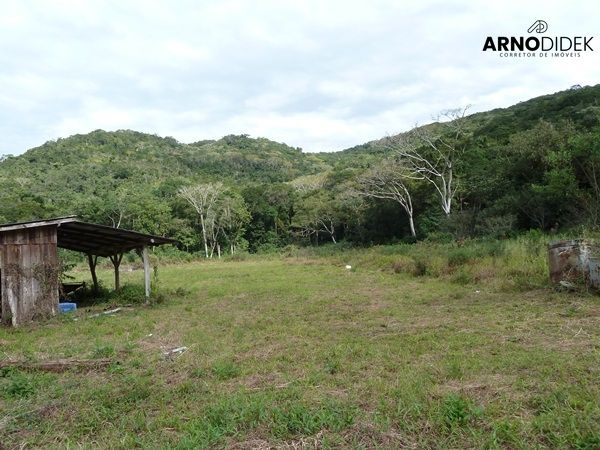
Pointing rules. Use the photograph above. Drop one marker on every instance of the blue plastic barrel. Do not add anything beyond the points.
(67, 307)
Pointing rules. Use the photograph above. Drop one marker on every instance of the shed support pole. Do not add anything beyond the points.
(92, 260)
(116, 260)
(146, 271)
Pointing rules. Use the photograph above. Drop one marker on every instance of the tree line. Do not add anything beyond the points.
(532, 166)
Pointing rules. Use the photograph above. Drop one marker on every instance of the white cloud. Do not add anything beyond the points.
(318, 75)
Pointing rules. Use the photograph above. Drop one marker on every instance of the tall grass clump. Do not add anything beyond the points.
(519, 263)
(525, 263)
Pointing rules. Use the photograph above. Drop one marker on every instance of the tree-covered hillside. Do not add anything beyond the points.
(533, 165)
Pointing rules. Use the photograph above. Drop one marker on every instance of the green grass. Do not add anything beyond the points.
(300, 351)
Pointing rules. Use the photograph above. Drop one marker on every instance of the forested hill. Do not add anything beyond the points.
(527, 166)
(579, 105)
(122, 152)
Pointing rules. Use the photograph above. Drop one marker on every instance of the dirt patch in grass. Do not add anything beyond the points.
(262, 381)
(309, 442)
(268, 350)
(571, 335)
(367, 435)
(375, 297)
(483, 389)
(362, 435)
(250, 444)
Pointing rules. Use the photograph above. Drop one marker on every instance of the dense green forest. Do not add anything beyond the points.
(535, 165)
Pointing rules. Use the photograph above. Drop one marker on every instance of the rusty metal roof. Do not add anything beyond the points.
(100, 240)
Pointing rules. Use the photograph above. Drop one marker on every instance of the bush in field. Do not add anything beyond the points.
(457, 410)
(403, 265)
(459, 256)
(17, 384)
(128, 294)
(420, 267)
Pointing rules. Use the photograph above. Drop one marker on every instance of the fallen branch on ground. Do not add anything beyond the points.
(58, 365)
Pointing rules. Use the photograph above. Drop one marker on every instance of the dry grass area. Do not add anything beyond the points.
(300, 353)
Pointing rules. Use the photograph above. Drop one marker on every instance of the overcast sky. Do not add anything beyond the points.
(321, 75)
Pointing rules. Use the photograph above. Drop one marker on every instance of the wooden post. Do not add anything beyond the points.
(92, 261)
(5, 311)
(116, 260)
(146, 271)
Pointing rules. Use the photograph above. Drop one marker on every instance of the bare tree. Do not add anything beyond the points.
(327, 224)
(203, 198)
(117, 209)
(319, 223)
(213, 230)
(317, 213)
(430, 153)
(389, 181)
(308, 183)
(117, 214)
(234, 215)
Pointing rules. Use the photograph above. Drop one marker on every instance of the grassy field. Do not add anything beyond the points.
(299, 352)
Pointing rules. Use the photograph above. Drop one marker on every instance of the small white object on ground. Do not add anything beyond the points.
(175, 351)
(106, 313)
(567, 285)
(348, 266)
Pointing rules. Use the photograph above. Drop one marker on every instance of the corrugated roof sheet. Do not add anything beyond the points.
(101, 240)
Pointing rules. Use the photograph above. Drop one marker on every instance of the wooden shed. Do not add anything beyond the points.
(30, 269)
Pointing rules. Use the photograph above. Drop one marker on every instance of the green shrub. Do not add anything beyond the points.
(239, 256)
(494, 249)
(332, 365)
(289, 251)
(420, 268)
(225, 370)
(457, 410)
(87, 295)
(17, 385)
(462, 277)
(170, 254)
(454, 369)
(299, 419)
(437, 266)
(459, 256)
(267, 248)
(440, 237)
(128, 294)
(403, 265)
(504, 433)
(103, 351)
(198, 372)
(590, 441)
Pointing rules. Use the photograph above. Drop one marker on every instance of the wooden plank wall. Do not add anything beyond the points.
(29, 274)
